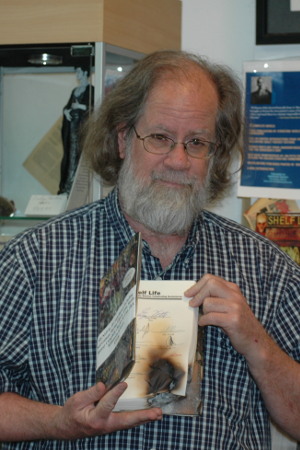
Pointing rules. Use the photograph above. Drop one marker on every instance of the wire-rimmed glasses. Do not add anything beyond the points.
(159, 144)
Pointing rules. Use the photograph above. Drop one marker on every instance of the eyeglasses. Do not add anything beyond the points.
(159, 144)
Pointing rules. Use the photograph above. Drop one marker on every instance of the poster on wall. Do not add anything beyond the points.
(271, 168)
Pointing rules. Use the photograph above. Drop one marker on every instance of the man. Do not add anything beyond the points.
(166, 134)
(262, 95)
(261, 223)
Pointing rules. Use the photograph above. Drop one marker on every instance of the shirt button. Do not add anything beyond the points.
(157, 278)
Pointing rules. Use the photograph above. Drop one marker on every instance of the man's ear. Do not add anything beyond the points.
(122, 142)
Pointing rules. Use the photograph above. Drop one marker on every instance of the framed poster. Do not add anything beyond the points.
(272, 130)
(277, 22)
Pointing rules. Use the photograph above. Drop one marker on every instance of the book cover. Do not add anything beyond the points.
(255, 215)
(169, 354)
(117, 316)
(284, 230)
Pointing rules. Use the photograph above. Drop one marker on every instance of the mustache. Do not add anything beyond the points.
(173, 176)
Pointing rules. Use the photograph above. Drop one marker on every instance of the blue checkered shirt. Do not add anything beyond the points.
(49, 293)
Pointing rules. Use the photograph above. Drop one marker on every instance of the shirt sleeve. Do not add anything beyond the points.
(15, 318)
(286, 327)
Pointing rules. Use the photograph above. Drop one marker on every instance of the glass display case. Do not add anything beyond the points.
(41, 111)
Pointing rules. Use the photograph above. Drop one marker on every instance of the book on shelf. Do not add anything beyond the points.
(284, 230)
(151, 339)
(267, 205)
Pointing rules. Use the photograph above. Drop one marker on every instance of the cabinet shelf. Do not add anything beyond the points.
(18, 218)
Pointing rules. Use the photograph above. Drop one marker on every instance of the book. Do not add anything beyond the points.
(284, 230)
(148, 335)
(117, 316)
(169, 354)
(267, 205)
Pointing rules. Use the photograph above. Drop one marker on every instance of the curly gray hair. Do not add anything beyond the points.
(123, 106)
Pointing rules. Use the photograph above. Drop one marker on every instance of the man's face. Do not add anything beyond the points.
(181, 110)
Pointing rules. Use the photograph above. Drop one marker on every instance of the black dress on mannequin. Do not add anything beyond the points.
(71, 135)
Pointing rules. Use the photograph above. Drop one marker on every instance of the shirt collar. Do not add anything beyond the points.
(116, 217)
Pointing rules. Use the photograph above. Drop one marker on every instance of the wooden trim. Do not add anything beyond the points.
(140, 25)
(53, 21)
(143, 25)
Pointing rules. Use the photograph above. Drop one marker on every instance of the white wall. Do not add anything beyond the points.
(224, 30)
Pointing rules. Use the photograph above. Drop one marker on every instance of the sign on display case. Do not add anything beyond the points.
(272, 130)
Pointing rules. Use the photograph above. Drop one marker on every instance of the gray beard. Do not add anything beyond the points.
(159, 208)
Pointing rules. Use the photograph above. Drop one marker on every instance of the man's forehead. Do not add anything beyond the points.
(183, 98)
(192, 76)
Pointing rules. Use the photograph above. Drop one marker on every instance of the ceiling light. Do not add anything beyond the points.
(45, 59)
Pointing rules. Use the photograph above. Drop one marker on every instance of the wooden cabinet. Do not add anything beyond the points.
(140, 25)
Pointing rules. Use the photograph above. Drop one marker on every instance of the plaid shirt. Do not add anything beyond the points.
(49, 311)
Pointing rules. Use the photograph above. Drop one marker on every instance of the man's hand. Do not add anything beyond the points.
(276, 374)
(224, 306)
(89, 413)
(86, 413)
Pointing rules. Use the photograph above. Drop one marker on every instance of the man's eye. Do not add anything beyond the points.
(159, 137)
(197, 142)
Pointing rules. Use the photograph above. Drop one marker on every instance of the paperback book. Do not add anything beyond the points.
(169, 352)
(149, 336)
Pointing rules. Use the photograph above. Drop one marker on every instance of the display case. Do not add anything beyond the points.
(108, 36)
(34, 129)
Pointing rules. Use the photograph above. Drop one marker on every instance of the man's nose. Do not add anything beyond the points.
(178, 158)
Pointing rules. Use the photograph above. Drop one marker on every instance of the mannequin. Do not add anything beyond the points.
(74, 113)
